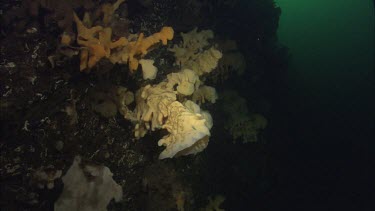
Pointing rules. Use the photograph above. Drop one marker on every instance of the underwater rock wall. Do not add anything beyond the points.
(80, 78)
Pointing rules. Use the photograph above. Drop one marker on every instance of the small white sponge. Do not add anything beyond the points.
(148, 69)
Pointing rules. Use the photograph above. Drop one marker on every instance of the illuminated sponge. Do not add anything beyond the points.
(188, 132)
(185, 82)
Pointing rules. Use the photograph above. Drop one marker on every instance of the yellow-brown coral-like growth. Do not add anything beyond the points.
(106, 41)
(98, 44)
(97, 41)
(140, 47)
(86, 36)
(164, 35)
(96, 52)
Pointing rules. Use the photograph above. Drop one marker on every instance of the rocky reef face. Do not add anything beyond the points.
(71, 84)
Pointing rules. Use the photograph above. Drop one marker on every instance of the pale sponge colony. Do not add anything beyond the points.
(152, 105)
(185, 81)
(205, 93)
(214, 203)
(157, 108)
(232, 63)
(191, 53)
(192, 44)
(233, 59)
(204, 62)
(87, 188)
(241, 123)
(247, 128)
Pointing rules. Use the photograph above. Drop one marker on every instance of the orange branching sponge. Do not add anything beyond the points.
(133, 50)
(86, 36)
(84, 57)
(98, 43)
(96, 52)
(164, 35)
(106, 41)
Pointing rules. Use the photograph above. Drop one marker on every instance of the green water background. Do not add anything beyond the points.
(332, 47)
(330, 103)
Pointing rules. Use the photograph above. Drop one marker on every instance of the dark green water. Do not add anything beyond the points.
(330, 107)
(332, 44)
